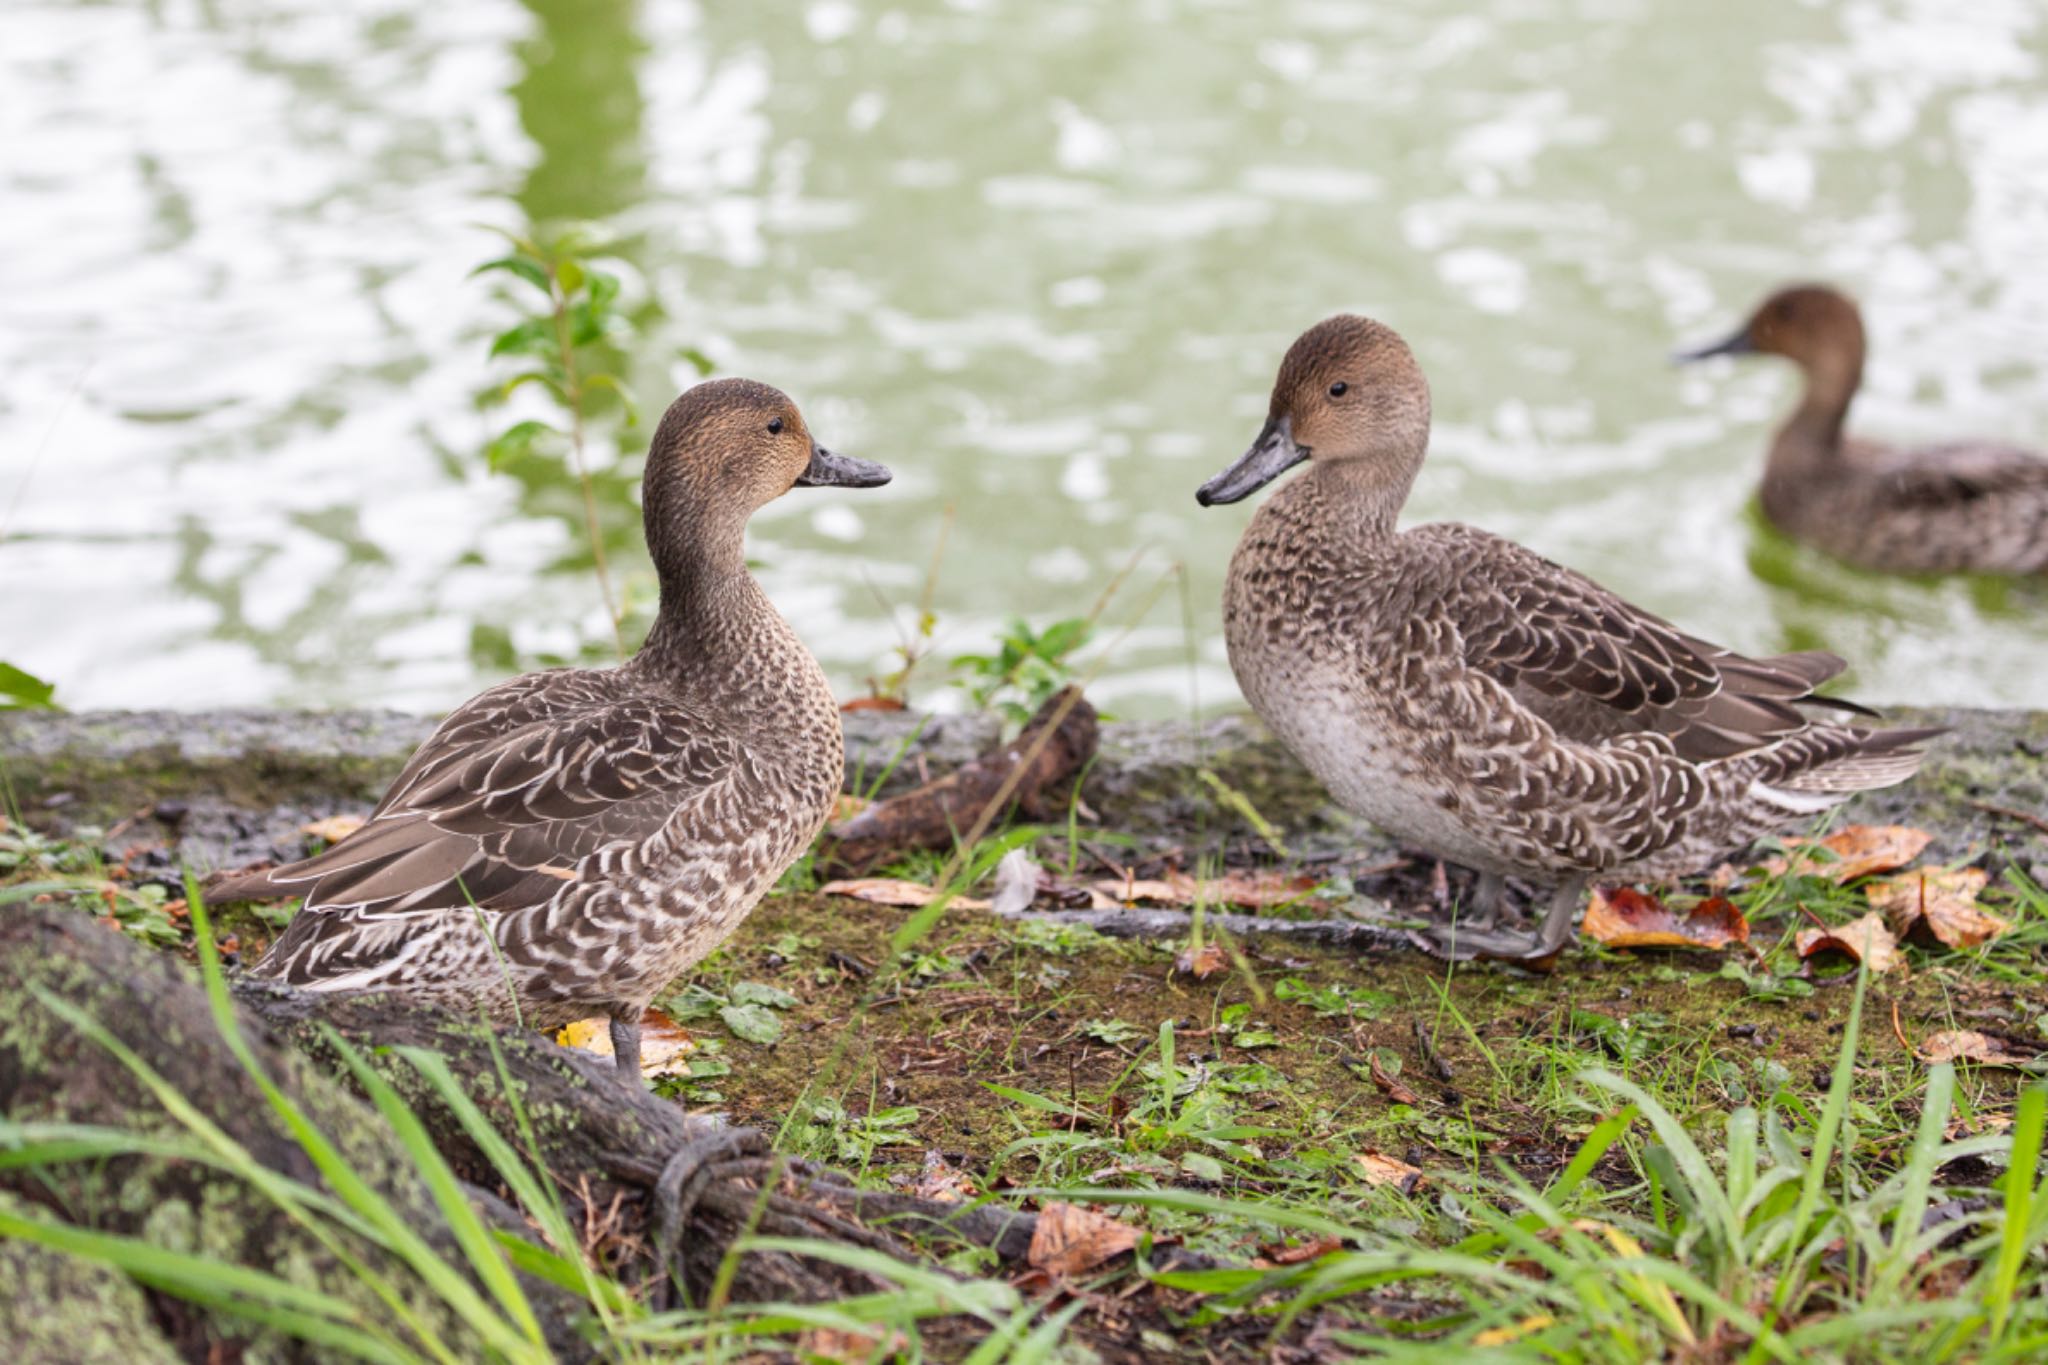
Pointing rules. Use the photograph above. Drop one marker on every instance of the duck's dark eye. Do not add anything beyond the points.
(1339, 389)
(775, 427)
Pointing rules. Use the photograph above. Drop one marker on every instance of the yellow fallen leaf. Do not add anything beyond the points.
(891, 891)
(1502, 1336)
(1858, 850)
(1939, 902)
(1864, 939)
(334, 828)
(665, 1046)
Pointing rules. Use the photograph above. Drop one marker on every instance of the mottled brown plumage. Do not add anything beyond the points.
(1470, 696)
(1953, 507)
(568, 842)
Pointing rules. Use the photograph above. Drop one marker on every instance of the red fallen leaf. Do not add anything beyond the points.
(1201, 962)
(1864, 939)
(873, 702)
(1385, 1170)
(1968, 1045)
(1626, 918)
(890, 891)
(1307, 1251)
(1858, 850)
(1391, 1084)
(1069, 1239)
(1939, 904)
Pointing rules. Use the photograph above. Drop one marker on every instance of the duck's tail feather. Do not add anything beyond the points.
(1829, 764)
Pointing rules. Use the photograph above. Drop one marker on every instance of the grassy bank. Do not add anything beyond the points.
(1689, 1155)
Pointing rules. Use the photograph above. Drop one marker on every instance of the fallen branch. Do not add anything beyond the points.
(1024, 774)
(1134, 922)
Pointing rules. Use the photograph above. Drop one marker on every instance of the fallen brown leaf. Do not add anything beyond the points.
(846, 1347)
(1070, 1239)
(890, 891)
(1858, 850)
(1259, 888)
(1938, 903)
(943, 1182)
(1958, 1128)
(1396, 1091)
(1968, 1045)
(847, 805)
(1864, 939)
(1385, 1170)
(1626, 918)
(334, 828)
(1307, 1251)
(665, 1045)
(1201, 962)
(872, 704)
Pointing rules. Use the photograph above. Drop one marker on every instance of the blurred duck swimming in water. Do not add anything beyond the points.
(1471, 697)
(1964, 506)
(568, 842)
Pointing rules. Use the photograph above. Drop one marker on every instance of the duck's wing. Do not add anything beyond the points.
(1595, 667)
(515, 789)
(1963, 473)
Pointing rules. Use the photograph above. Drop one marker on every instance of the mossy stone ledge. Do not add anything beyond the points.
(223, 784)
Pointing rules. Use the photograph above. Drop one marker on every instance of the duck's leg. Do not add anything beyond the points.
(1489, 898)
(1556, 930)
(1469, 937)
(626, 1046)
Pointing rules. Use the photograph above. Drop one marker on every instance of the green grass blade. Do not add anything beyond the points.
(2015, 1233)
(1821, 1157)
(307, 1313)
(479, 1247)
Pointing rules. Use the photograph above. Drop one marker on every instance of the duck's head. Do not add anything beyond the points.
(724, 450)
(1813, 325)
(1349, 393)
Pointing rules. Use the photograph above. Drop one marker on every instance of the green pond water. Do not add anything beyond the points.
(1041, 257)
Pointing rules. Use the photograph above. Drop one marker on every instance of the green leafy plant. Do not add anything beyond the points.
(1027, 667)
(569, 334)
(21, 690)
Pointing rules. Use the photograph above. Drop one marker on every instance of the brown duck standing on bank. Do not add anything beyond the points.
(568, 842)
(1966, 506)
(1469, 696)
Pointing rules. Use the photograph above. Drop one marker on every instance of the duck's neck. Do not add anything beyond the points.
(1362, 498)
(1812, 435)
(713, 616)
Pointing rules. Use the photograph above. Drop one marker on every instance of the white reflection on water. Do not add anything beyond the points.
(1041, 258)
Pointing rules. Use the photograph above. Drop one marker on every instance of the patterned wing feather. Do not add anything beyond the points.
(500, 807)
(1595, 667)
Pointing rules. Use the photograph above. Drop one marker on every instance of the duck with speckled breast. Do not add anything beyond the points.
(567, 843)
(1952, 507)
(1471, 697)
